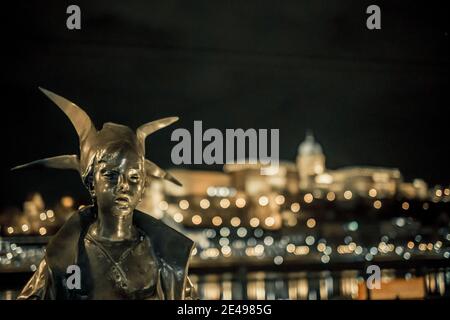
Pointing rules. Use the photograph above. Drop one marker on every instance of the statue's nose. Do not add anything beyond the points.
(123, 183)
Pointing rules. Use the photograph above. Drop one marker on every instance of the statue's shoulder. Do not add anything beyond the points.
(173, 250)
(172, 246)
(63, 246)
(163, 237)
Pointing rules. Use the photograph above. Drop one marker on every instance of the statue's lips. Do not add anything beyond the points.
(122, 201)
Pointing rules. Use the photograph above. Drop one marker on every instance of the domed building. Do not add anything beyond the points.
(310, 161)
(364, 181)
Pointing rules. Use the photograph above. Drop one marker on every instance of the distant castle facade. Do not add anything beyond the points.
(241, 196)
(365, 181)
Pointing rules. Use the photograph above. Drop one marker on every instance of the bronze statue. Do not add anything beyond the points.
(121, 253)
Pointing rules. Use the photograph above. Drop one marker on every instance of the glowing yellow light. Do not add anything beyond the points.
(196, 219)
(254, 222)
(331, 196)
(447, 192)
(259, 250)
(235, 221)
(405, 205)
(279, 199)
(42, 231)
(43, 216)
(269, 221)
(348, 194)
(263, 201)
(224, 203)
(217, 221)
(184, 204)
(410, 245)
(301, 250)
(308, 198)
(250, 252)
(178, 217)
(373, 193)
(295, 207)
(342, 249)
(321, 247)
(67, 202)
(377, 204)
(290, 248)
(10, 230)
(311, 223)
(212, 252)
(50, 213)
(240, 202)
(438, 193)
(204, 204)
(163, 205)
(422, 247)
(430, 246)
(25, 228)
(292, 221)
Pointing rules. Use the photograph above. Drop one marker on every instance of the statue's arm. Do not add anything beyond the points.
(39, 287)
(190, 293)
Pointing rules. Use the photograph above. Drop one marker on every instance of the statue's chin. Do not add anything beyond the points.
(121, 211)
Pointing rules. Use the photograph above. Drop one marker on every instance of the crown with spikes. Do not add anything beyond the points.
(92, 140)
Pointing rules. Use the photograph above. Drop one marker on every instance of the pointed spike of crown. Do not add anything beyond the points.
(153, 170)
(58, 162)
(79, 118)
(147, 129)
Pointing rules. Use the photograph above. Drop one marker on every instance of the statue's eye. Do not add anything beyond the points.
(109, 174)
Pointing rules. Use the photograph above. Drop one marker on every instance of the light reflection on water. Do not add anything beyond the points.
(325, 285)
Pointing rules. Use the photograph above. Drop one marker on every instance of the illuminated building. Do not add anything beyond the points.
(363, 181)
(310, 162)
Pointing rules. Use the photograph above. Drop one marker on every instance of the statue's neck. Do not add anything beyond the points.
(112, 228)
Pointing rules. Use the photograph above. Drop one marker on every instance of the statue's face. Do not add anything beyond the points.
(119, 182)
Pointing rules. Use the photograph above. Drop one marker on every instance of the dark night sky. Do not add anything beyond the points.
(371, 97)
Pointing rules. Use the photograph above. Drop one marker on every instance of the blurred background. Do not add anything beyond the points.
(363, 137)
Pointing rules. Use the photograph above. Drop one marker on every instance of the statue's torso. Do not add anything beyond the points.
(122, 270)
(153, 269)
